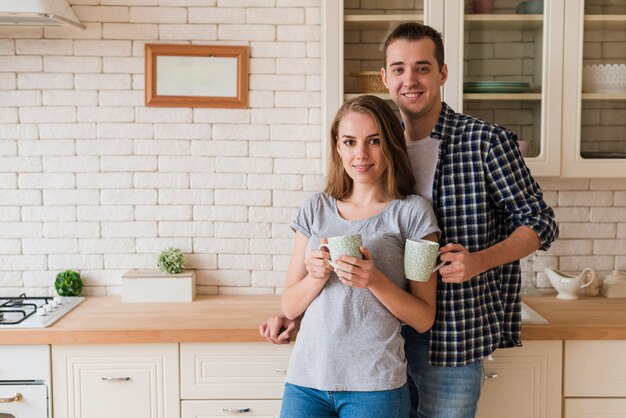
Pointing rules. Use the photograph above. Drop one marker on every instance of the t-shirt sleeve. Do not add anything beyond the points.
(305, 216)
(421, 220)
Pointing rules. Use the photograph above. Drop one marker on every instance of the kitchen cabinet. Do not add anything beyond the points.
(118, 380)
(567, 130)
(523, 382)
(222, 379)
(594, 379)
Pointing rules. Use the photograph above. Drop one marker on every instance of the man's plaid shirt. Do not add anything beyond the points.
(482, 192)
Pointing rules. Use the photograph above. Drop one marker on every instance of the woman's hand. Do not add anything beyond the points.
(316, 264)
(358, 273)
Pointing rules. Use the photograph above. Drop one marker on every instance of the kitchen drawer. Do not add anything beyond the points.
(595, 408)
(595, 369)
(230, 408)
(33, 402)
(25, 362)
(233, 370)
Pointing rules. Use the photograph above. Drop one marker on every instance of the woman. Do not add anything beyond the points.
(348, 360)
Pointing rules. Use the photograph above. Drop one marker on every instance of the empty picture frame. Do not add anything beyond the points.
(197, 75)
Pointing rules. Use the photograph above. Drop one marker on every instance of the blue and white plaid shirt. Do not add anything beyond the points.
(482, 192)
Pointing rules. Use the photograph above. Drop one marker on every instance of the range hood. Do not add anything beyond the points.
(37, 13)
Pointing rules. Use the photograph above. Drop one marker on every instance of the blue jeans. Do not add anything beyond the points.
(303, 402)
(439, 392)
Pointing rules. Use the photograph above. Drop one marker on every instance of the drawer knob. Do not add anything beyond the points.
(235, 410)
(116, 379)
(280, 371)
(491, 376)
(15, 398)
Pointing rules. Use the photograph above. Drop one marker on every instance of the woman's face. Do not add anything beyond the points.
(358, 145)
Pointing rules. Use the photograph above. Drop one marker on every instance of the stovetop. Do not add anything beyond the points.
(34, 311)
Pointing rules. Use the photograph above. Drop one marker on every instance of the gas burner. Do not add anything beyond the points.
(34, 311)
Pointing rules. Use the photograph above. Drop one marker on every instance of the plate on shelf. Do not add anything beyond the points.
(495, 87)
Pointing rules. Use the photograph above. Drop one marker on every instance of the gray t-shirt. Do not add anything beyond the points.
(348, 340)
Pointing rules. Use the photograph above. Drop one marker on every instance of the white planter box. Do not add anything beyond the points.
(155, 286)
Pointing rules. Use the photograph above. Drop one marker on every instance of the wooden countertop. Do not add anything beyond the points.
(102, 320)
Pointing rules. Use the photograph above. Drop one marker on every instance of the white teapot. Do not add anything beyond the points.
(567, 285)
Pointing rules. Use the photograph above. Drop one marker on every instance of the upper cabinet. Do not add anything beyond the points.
(520, 64)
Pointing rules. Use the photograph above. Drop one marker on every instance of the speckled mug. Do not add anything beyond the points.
(420, 256)
(343, 245)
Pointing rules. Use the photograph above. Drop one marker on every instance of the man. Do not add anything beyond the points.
(491, 213)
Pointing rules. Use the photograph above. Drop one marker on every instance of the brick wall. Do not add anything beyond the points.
(92, 180)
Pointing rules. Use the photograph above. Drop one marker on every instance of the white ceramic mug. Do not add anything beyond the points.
(343, 245)
(420, 256)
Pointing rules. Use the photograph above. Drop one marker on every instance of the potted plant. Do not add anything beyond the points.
(68, 283)
(171, 261)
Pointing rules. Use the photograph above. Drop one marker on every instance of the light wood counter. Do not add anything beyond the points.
(102, 320)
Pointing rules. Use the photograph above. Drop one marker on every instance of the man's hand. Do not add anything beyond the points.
(461, 264)
(278, 329)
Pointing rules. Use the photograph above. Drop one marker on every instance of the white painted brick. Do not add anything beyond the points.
(621, 230)
(159, 14)
(77, 164)
(583, 198)
(280, 262)
(315, 116)
(39, 278)
(128, 197)
(186, 164)
(8, 180)
(163, 115)
(102, 81)
(247, 32)
(188, 32)
(559, 184)
(47, 114)
(186, 229)
(217, 15)
(268, 278)
(277, 149)
(10, 214)
(50, 246)
(292, 199)
(220, 115)
(105, 114)
(261, 66)
(91, 31)
(121, 98)
(246, 3)
(278, 49)
(220, 213)
(286, 116)
(20, 230)
(247, 132)
(7, 82)
(221, 245)
(201, 261)
(20, 164)
(105, 213)
(21, 64)
(8, 148)
(101, 14)
(11, 247)
(20, 32)
(311, 166)
(62, 197)
(272, 214)
(282, 16)
(103, 48)
(69, 98)
(129, 261)
(314, 150)
(245, 291)
(223, 277)
(130, 31)
(617, 214)
(46, 147)
(180, 196)
(243, 197)
(46, 181)
(43, 47)
(242, 261)
(190, 3)
(7, 47)
(129, 2)
(133, 65)
(620, 200)
(298, 33)
(129, 229)
(571, 247)
(125, 130)
(314, 50)
(610, 247)
(298, 65)
(271, 246)
(20, 98)
(67, 130)
(314, 183)
(104, 147)
(205, 290)
(220, 148)
(607, 184)
(48, 214)
(277, 82)
(217, 181)
(243, 165)
(151, 147)
(161, 180)
(587, 230)
(242, 230)
(71, 230)
(295, 132)
(163, 213)
(22, 262)
(274, 182)
(574, 265)
(182, 131)
(20, 197)
(313, 16)
(156, 245)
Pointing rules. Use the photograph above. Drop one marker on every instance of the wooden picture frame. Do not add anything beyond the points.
(197, 75)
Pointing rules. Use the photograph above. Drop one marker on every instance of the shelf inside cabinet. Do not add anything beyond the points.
(384, 96)
(508, 21)
(379, 21)
(502, 96)
(605, 22)
(604, 96)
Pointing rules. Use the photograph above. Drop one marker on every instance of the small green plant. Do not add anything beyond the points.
(171, 261)
(68, 283)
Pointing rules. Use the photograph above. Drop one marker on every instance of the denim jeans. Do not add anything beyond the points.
(303, 402)
(439, 392)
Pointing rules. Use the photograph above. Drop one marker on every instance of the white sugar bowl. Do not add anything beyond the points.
(614, 285)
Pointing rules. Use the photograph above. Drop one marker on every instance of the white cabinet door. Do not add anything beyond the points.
(231, 408)
(121, 381)
(595, 369)
(523, 382)
(595, 408)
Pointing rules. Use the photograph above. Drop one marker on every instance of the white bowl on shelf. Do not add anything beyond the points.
(604, 78)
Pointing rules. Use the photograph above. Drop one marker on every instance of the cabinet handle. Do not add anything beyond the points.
(491, 376)
(15, 398)
(280, 371)
(116, 379)
(235, 410)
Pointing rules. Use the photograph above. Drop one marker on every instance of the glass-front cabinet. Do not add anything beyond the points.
(554, 71)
